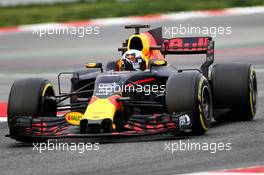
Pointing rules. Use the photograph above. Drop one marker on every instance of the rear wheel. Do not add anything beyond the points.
(31, 97)
(190, 92)
(235, 87)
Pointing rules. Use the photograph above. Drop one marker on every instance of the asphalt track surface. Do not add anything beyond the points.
(26, 55)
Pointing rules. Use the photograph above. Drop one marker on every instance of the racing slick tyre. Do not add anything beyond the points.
(234, 87)
(189, 91)
(28, 97)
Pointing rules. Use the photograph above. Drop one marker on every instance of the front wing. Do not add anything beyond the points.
(42, 128)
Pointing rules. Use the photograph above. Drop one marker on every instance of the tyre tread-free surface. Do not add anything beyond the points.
(233, 86)
(25, 98)
(184, 94)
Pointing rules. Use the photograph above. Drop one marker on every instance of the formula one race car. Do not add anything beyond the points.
(155, 99)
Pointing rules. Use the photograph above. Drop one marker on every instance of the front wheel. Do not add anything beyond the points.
(190, 92)
(31, 97)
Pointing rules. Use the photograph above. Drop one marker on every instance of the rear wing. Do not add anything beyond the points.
(191, 45)
(188, 45)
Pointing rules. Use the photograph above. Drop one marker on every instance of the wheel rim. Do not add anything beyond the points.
(206, 103)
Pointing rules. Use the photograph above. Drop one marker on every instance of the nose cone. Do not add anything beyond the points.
(100, 109)
(101, 112)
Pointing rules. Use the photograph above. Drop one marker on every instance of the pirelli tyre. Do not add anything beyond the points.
(189, 91)
(28, 97)
(234, 87)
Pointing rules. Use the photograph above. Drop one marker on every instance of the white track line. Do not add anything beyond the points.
(3, 119)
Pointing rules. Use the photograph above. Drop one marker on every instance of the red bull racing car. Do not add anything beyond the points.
(155, 98)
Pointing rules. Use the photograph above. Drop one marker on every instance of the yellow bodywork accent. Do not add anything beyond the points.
(100, 109)
(145, 42)
(90, 65)
(45, 89)
(159, 62)
(74, 118)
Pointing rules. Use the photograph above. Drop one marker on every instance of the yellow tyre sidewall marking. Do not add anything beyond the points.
(45, 89)
(251, 71)
(200, 103)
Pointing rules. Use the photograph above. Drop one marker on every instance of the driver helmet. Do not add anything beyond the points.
(132, 60)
